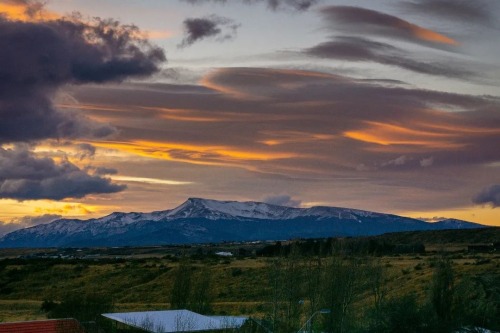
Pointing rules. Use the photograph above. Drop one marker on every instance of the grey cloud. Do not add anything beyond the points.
(305, 117)
(299, 5)
(307, 113)
(477, 11)
(196, 29)
(401, 160)
(370, 22)
(26, 222)
(38, 58)
(282, 200)
(432, 219)
(85, 150)
(489, 195)
(101, 171)
(427, 162)
(23, 176)
(360, 49)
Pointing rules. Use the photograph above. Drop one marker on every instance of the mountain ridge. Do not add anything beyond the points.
(199, 220)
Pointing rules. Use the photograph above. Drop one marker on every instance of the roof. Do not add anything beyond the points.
(43, 326)
(175, 321)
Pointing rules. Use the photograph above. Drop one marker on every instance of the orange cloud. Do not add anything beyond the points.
(290, 137)
(159, 34)
(431, 36)
(195, 154)
(26, 12)
(246, 83)
(389, 134)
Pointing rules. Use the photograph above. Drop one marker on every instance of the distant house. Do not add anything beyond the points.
(224, 254)
(43, 326)
(171, 321)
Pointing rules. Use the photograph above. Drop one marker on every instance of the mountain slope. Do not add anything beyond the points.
(203, 221)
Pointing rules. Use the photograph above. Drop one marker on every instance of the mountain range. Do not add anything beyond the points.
(211, 221)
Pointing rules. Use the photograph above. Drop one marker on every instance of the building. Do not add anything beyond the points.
(174, 321)
(43, 326)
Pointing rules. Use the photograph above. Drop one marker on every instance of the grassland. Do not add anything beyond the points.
(142, 278)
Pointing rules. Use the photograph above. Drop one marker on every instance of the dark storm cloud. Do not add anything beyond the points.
(298, 5)
(478, 11)
(220, 28)
(489, 195)
(371, 22)
(360, 49)
(24, 176)
(38, 58)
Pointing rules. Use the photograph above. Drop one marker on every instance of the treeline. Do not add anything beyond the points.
(331, 289)
(328, 287)
(330, 246)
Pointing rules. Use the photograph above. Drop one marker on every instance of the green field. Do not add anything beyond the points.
(248, 284)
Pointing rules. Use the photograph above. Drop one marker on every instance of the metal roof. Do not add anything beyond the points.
(42, 326)
(175, 321)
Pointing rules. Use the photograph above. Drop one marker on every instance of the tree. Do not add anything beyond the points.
(341, 282)
(442, 290)
(401, 314)
(200, 299)
(191, 291)
(86, 308)
(181, 288)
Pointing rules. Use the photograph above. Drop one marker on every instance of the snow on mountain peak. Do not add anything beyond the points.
(214, 209)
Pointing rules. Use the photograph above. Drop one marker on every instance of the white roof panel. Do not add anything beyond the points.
(175, 321)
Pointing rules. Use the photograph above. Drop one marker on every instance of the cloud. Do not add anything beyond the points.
(371, 22)
(102, 171)
(299, 5)
(38, 58)
(401, 160)
(489, 195)
(25, 10)
(360, 49)
(427, 162)
(282, 200)
(305, 115)
(197, 29)
(293, 131)
(85, 151)
(432, 219)
(26, 222)
(24, 176)
(460, 10)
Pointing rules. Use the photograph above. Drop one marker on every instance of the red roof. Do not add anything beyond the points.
(43, 326)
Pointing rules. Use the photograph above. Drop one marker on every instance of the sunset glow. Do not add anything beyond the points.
(135, 106)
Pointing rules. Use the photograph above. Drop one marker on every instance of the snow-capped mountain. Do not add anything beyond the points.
(203, 220)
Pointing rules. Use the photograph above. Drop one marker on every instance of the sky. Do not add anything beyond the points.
(124, 105)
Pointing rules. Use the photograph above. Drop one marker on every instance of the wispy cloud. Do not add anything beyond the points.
(371, 22)
(477, 11)
(360, 49)
(298, 5)
(149, 180)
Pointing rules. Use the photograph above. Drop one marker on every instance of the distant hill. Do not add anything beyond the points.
(447, 236)
(211, 221)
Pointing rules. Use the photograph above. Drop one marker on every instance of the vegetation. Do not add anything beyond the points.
(350, 285)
